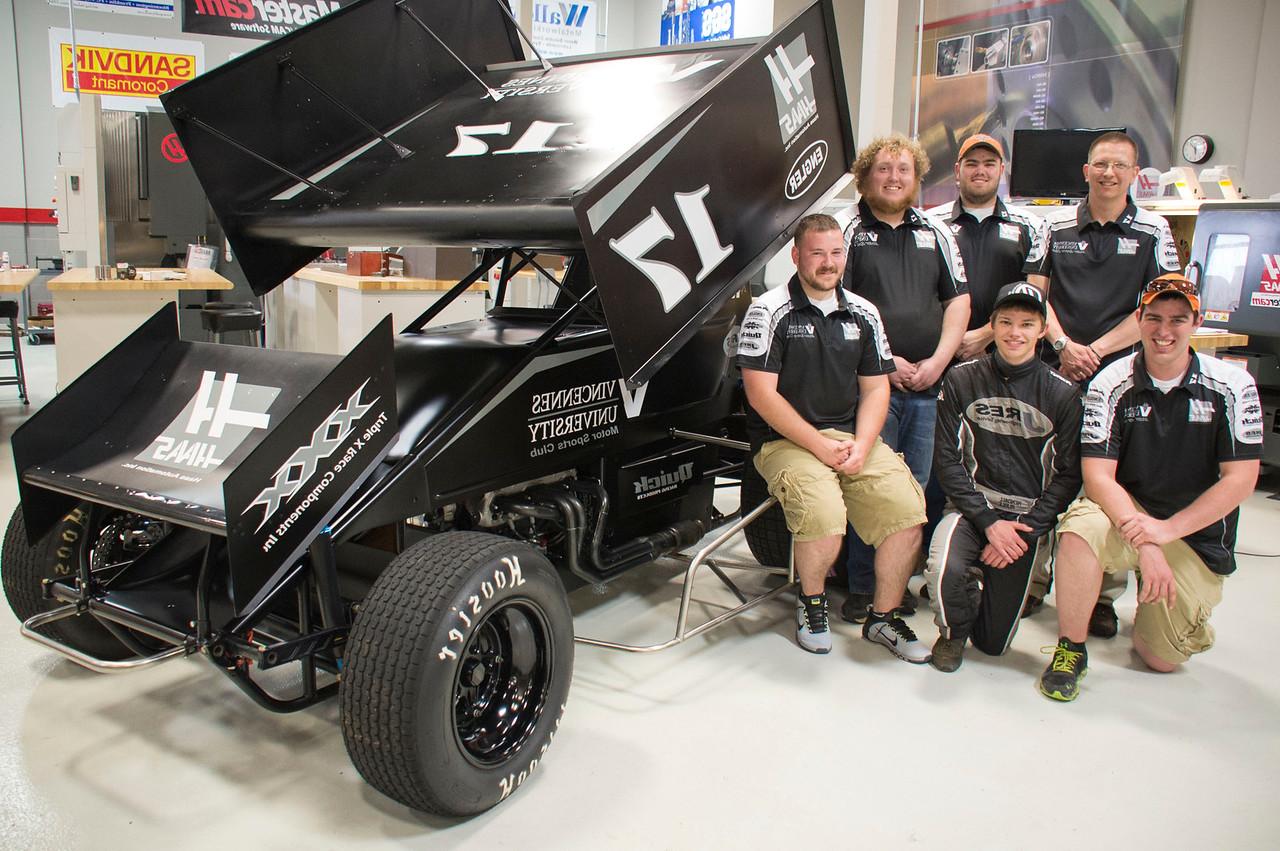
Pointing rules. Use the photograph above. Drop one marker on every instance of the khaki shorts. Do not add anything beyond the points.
(881, 499)
(1172, 633)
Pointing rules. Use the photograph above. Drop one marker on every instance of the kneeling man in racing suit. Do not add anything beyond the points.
(1007, 455)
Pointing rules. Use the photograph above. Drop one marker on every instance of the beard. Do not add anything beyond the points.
(891, 208)
(814, 282)
(979, 201)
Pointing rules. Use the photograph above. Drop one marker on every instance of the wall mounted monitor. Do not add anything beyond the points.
(1048, 163)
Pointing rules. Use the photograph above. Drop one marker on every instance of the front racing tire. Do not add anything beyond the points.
(768, 537)
(456, 672)
(24, 566)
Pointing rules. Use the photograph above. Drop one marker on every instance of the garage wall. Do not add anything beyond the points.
(1228, 87)
(24, 34)
(1226, 90)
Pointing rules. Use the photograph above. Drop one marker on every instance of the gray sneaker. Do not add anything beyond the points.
(812, 632)
(893, 632)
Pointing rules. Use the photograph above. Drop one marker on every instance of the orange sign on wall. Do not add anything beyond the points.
(124, 73)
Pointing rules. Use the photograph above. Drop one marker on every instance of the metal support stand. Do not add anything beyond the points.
(84, 660)
(702, 557)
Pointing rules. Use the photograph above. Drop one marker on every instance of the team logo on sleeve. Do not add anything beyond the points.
(751, 339)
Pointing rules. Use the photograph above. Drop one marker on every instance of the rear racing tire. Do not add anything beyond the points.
(456, 672)
(24, 566)
(768, 537)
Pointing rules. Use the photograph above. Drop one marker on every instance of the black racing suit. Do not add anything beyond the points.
(1006, 447)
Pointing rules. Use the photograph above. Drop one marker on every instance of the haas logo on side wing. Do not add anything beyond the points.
(221, 414)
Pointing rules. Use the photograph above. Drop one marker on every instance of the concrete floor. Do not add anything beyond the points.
(736, 738)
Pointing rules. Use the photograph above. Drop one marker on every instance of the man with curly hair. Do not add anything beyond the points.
(908, 265)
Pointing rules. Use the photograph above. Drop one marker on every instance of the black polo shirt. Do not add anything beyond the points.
(1004, 247)
(1097, 271)
(817, 358)
(907, 272)
(1168, 445)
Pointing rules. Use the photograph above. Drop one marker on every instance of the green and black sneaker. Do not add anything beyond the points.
(1061, 680)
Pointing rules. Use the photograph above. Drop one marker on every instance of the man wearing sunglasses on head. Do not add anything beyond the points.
(1170, 446)
(1100, 255)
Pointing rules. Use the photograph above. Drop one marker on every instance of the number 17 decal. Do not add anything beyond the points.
(671, 283)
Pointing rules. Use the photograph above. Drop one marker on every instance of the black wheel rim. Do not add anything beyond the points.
(116, 541)
(500, 688)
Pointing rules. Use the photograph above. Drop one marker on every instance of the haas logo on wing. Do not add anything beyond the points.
(217, 419)
(793, 91)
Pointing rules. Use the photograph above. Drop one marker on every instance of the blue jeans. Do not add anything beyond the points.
(908, 429)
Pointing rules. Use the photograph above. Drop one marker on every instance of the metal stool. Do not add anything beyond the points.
(9, 311)
(221, 318)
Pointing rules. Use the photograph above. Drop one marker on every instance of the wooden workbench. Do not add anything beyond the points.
(329, 311)
(1210, 343)
(14, 281)
(93, 316)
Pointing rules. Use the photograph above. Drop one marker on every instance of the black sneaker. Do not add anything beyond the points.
(1103, 623)
(1061, 680)
(909, 603)
(854, 608)
(1031, 605)
(948, 654)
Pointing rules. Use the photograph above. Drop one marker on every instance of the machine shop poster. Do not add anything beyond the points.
(261, 19)
(129, 72)
(1047, 64)
(150, 8)
(564, 29)
(689, 21)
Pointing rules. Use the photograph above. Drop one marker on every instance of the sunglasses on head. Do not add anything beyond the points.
(1175, 285)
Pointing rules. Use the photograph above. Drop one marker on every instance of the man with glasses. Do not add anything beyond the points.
(1170, 447)
(1100, 254)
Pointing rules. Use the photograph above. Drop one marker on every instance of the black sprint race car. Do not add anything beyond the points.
(395, 523)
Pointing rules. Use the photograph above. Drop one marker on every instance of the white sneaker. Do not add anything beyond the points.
(812, 632)
(894, 633)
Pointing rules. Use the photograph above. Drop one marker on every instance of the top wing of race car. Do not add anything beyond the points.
(414, 122)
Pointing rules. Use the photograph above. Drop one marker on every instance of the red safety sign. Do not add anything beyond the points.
(171, 148)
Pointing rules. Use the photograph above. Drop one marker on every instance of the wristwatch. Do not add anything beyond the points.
(1060, 343)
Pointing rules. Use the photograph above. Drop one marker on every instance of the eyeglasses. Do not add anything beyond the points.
(1101, 166)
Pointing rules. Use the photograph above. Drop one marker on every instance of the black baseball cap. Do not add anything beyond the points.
(1021, 294)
